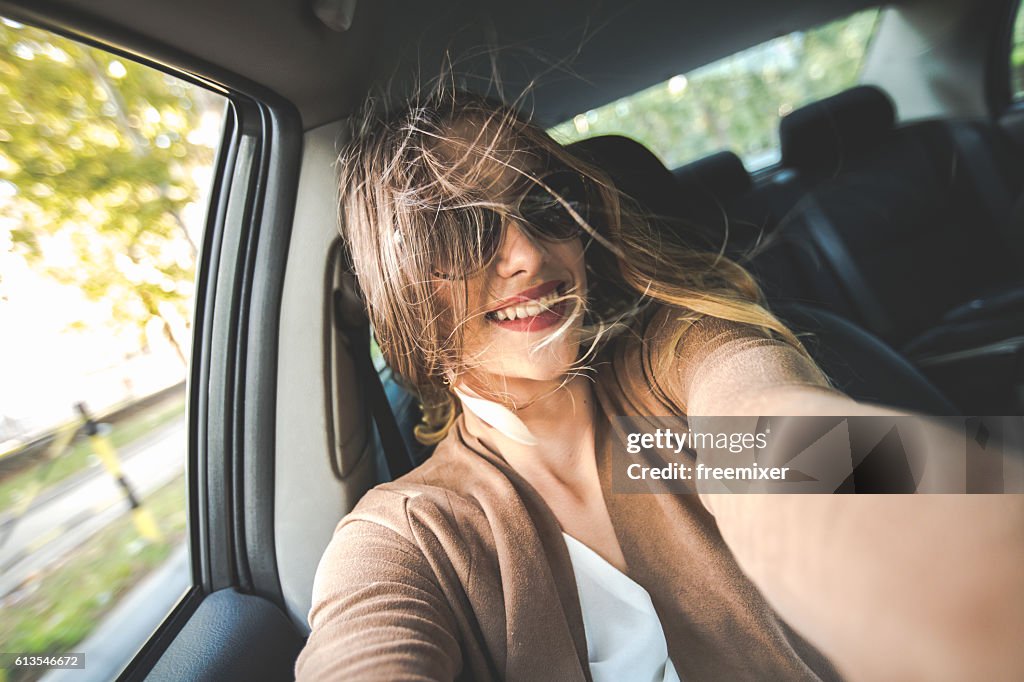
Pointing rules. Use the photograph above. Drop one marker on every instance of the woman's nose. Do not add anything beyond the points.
(518, 252)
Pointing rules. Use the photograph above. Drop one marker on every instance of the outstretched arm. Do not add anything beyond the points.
(926, 587)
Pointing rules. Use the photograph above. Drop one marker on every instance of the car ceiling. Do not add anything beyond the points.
(589, 52)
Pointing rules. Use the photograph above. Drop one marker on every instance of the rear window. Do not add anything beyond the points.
(1017, 56)
(736, 102)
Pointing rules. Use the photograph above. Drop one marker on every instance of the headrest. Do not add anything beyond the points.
(634, 169)
(721, 175)
(709, 189)
(819, 137)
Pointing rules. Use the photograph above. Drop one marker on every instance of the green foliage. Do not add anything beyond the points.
(96, 170)
(734, 103)
(1017, 57)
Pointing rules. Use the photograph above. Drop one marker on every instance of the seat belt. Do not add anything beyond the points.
(828, 240)
(990, 187)
(398, 460)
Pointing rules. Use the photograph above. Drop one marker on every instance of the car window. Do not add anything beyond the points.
(105, 170)
(1017, 56)
(379, 363)
(734, 103)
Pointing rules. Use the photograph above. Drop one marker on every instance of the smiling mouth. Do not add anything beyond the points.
(545, 306)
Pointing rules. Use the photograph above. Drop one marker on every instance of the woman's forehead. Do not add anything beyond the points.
(489, 155)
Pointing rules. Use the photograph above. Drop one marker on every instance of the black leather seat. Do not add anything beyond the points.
(896, 214)
(862, 365)
(910, 233)
(859, 363)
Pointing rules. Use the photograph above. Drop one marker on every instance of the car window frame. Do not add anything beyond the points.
(231, 402)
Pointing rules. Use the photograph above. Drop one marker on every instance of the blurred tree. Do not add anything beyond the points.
(96, 170)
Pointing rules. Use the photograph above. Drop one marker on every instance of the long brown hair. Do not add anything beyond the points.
(404, 196)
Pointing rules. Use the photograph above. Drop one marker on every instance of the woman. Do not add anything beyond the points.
(529, 304)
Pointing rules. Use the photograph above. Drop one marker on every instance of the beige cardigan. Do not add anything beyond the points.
(458, 570)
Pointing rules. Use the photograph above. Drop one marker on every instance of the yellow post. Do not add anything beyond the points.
(104, 449)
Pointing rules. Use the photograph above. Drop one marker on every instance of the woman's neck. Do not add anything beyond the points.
(562, 422)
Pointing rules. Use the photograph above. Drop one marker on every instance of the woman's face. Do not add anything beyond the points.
(522, 317)
(519, 306)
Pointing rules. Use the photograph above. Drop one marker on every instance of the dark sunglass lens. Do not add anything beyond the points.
(466, 242)
(544, 210)
(489, 235)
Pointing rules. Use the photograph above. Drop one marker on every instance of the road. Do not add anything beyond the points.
(58, 523)
(116, 640)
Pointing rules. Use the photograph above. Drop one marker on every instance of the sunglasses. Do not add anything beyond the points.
(543, 212)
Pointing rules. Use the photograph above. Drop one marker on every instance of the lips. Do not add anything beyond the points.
(533, 309)
(527, 295)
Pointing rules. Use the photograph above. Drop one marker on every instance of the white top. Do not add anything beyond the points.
(625, 640)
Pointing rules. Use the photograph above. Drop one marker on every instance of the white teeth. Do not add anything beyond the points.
(530, 309)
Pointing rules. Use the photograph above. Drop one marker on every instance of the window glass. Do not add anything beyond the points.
(379, 363)
(105, 168)
(1017, 56)
(736, 102)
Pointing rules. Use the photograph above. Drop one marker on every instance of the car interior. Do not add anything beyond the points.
(890, 233)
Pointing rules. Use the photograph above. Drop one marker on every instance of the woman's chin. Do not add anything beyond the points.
(544, 373)
(553, 367)
(545, 365)
(549, 376)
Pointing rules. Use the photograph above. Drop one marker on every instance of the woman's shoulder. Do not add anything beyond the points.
(670, 328)
(412, 501)
(403, 528)
(684, 342)
(436, 521)
(671, 351)
(449, 490)
(667, 332)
